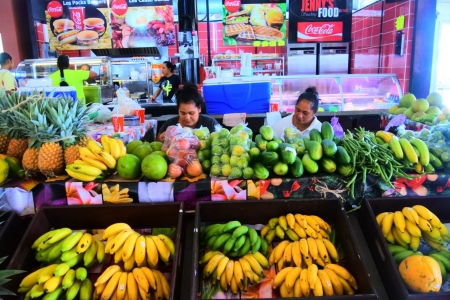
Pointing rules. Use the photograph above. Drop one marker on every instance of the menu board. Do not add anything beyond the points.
(313, 21)
(142, 23)
(254, 22)
(75, 24)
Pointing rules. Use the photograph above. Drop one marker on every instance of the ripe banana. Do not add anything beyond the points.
(85, 169)
(94, 161)
(423, 212)
(411, 215)
(338, 289)
(312, 275)
(312, 223)
(106, 158)
(318, 289)
(80, 176)
(279, 250)
(119, 240)
(164, 284)
(331, 249)
(304, 283)
(310, 231)
(141, 279)
(212, 264)
(281, 277)
(221, 266)
(52, 284)
(100, 251)
(93, 146)
(85, 151)
(304, 247)
(322, 250)
(84, 242)
(301, 220)
(132, 287)
(386, 224)
(347, 288)
(123, 149)
(424, 225)
(299, 231)
(163, 252)
(342, 272)
(399, 221)
(114, 147)
(262, 260)
(292, 277)
(58, 235)
(122, 286)
(380, 217)
(229, 271)
(71, 241)
(45, 274)
(312, 247)
(238, 273)
(107, 274)
(256, 267)
(68, 279)
(152, 252)
(412, 228)
(287, 255)
(296, 254)
(111, 286)
(290, 220)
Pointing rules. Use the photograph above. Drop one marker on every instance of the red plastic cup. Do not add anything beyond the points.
(117, 122)
(77, 15)
(274, 107)
(140, 112)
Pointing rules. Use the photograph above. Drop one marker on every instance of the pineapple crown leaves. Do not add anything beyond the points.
(4, 274)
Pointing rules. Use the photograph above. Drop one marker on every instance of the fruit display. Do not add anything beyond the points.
(429, 111)
(204, 149)
(96, 160)
(180, 145)
(220, 152)
(115, 194)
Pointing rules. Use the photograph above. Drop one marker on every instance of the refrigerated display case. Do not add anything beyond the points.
(340, 92)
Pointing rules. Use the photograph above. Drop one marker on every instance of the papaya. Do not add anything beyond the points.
(266, 132)
(421, 274)
(435, 162)
(296, 168)
(260, 143)
(327, 131)
(287, 153)
(345, 170)
(315, 135)
(329, 147)
(272, 146)
(337, 140)
(328, 165)
(260, 171)
(268, 158)
(309, 164)
(342, 156)
(315, 150)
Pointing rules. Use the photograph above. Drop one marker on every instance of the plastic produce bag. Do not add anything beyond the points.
(292, 135)
(204, 149)
(338, 130)
(126, 106)
(101, 113)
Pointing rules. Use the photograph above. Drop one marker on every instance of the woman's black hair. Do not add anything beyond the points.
(312, 96)
(170, 65)
(63, 63)
(4, 56)
(189, 93)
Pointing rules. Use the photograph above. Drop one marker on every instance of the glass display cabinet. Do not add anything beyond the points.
(339, 92)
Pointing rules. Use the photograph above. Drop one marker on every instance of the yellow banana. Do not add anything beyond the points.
(434, 234)
(152, 252)
(304, 283)
(31, 279)
(283, 222)
(301, 220)
(318, 289)
(234, 286)
(303, 243)
(399, 221)
(105, 143)
(52, 284)
(338, 289)
(262, 260)
(122, 286)
(411, 215)
(280, 264)
(120, 240)
(169, 244)
(297, 288)
(290, 220)
(229, 271)
(94, 162)
(423, 212)
(435, 222)
(87, 152)
(390, 238)
(444, 231)
(100, 288)
(141, 279)
(129, 246)
(93, 146)
(398, 239)
(150, 277)
(292, 277)
(342, 272)
(212, 264)
(322, 224)
(312, 223)
(238, 274)
(140, 250)
(115, 150)
(310, 231)
(347, 288)
(164, 284)
(326, 283)
(320, 261)
(84, 242)
(415, 242)
(323, 253)
(123, 150)
(296, 254)
(285, 292)
(132, 288)
(264, 231)
(129, 264)
(107, 274)
(163, 251)
(223, 282)
(46, 274)
(80, 162)
(412, 228)
(106, 158)
(281, 277)
(42, 239)
(111, 286)
(424, 225)
(312, 247)
(85, 169)
(221, 266)
(118, 255)
(386, 224)
(37, 290)
(90, 254)
(256, 267)
(288, 254)
(79, 176)
(312, 275)
(271, 262)
(279, 250)
(331, 249)
(299, 231)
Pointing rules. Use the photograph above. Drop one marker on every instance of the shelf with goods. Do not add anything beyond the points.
(233, 63)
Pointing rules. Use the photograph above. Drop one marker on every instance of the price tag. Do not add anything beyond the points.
(290, 149)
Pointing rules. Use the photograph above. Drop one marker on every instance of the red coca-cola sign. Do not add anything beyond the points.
(55, 9)
(232, 5)
(319, 31)
(119, 7)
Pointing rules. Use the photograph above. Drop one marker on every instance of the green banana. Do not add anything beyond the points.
(81, 274)
(76, 260)
(253, 236)
(270, 236)
(292, 235)
(279, 232)
(55, 253)
(86, 290)
(71, 241)
(442, 259)
(208, 229)
(394, 249)
(68, 279)
(230, 226)
(221, 240)
(68, 255)
(58, 235)
(245, 248)
(233, 254)
(61, 269)
(72, 292)
(443, 253)
(241, 230)
(37, 290)
(256, 246)
(229, 245)
(273, 222)
(215, 231)
(211, 241)
(264, 246)
(41, 239)
(43, 255)
(239, 242)
(400, 256)
(53, 295)
(90, 254)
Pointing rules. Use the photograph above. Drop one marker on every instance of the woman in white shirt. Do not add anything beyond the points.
(304, 118)
(7, 80)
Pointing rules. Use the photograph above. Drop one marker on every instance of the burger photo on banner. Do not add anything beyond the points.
(312, 21)
(139, 24)
(75, 27)
(258, 24)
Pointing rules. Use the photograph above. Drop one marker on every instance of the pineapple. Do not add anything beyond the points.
(71, 154)
(4, 142)
(84, 141)
(17, 147)
(30, 160)
(8, 128)
(51, 159)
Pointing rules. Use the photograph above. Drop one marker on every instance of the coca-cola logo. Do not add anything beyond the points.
(319, 31)
(55, 9)
(232, 5)
(119, 7)
(76, 18)
(324, 29)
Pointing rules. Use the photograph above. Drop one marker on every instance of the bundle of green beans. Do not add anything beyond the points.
(369, 157)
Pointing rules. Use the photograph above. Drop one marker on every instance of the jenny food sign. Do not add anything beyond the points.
(78, 24)
(254, 22)
(315, 21)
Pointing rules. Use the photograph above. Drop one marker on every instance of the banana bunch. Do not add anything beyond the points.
(143, 282)
(400, 253)
(443, 259)
(128, 246)
(406, 227)
(53, 280)
(303, 253)
(70, 247)
(296, 227)
(96, 159)
(310, 281)
(234, 274)
(233, 239)
(115, 194)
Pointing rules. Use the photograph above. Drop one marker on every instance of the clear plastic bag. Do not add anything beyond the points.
(126, 107)
(101, 112)
(204, 149)
(292, 135)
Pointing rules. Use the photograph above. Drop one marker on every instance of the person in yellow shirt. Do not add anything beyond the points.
(7, 80)
(67, 77)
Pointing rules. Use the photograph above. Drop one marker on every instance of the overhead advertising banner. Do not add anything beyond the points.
(316, 21)
(78, 24)
(142, 23)
(254, 22)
